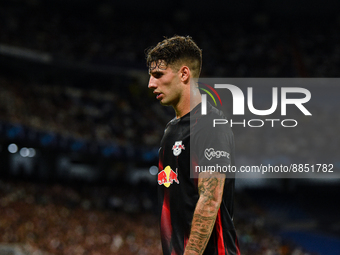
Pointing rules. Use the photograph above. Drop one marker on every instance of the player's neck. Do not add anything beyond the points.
(187, 102)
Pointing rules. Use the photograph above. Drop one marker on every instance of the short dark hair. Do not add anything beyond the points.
(176, 50)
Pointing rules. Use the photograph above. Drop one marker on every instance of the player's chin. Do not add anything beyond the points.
(164, 102)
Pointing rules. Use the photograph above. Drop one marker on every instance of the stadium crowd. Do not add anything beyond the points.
(56, 219)
(254, 49)
(103, 116)
(94, 35)
(87, 114)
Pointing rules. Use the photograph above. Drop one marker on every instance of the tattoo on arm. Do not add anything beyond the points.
(211, 190)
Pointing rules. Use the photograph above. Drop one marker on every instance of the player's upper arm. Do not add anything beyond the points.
(210, 188)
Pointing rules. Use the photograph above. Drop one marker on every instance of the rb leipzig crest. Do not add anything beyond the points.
(177, 148)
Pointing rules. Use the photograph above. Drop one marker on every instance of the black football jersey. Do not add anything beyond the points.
(190, 142)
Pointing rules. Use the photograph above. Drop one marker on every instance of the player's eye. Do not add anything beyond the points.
(157, 75)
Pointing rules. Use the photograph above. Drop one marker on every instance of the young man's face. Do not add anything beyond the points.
(165, 83)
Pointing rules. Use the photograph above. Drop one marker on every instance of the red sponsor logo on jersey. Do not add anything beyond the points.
(167, 176)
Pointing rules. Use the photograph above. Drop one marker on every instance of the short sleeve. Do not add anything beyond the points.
(213, 147)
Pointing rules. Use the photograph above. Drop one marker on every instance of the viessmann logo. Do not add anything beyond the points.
(239, 102)
(210, 153)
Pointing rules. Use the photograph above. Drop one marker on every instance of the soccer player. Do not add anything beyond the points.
(196, 214)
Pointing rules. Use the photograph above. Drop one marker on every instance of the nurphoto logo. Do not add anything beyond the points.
(238, 99)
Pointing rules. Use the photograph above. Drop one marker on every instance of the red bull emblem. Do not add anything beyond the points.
(167, 177)
(177, 148)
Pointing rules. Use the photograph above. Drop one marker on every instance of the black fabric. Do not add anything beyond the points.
(177, 166)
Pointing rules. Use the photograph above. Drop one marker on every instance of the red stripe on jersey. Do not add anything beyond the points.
(185, 241)
(220, 241)
(166, 227)
(237, 246)
(194, 163)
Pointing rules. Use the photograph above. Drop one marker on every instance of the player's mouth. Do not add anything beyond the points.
(159, 95)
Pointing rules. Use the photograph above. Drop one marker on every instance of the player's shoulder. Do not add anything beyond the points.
(212, 114)
(172, 122)
(206, 122)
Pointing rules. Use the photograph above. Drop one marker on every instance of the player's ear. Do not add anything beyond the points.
(184, 73)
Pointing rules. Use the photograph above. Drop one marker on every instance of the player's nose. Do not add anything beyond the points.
(152, 83)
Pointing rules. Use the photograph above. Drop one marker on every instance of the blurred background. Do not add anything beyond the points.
(79, 130)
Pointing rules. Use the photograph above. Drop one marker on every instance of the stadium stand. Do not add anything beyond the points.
(73, 86)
